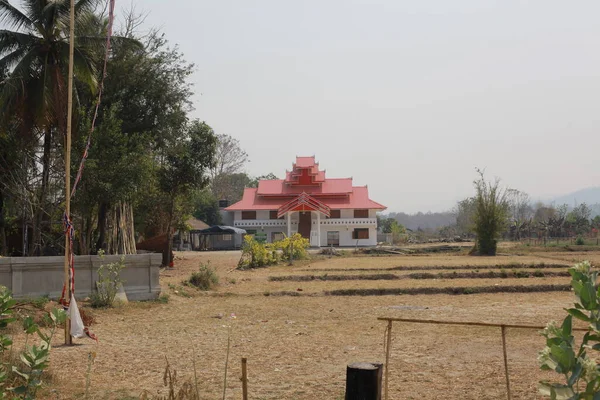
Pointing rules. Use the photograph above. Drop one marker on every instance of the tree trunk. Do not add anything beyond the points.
(169, 248)
(120, 236)
(3, 248)
(36, 242)
(102, 211)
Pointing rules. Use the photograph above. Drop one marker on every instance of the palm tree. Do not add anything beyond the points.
(36, 54)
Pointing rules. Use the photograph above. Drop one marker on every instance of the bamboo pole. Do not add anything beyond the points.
(244, 380)
(68, 338)
(388, 348)
(468, 323)
(508, 394)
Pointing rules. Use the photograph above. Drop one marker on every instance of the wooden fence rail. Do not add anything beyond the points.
(502, 327)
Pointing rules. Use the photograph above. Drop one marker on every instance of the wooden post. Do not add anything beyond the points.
(68, 338)
(503, 329)
(363, 381)
(388, 348)
(244, 380)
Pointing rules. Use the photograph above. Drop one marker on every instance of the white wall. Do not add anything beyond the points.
(345, 230)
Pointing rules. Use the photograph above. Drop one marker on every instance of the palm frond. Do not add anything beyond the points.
(12, 59)
(13, 17)
(10, 40)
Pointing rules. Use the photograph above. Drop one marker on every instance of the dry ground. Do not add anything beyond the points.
(298, 347)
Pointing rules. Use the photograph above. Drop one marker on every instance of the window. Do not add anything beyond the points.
(333, 238)
(273, 215)
(276, 236)
(335, 214)
(227, 238)
(361, 213)
(360, 233)
(248, 214)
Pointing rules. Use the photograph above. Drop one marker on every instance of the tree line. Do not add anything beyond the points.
(150, 165)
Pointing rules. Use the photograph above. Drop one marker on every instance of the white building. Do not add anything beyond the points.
(329, 212)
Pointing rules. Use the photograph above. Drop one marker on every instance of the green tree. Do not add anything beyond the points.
(578, 219)
(491, 213)
(268, 177)
(229, 186)
(465, 212)
(36, 53)
(148, 92)
(206, 207)
(185, 169)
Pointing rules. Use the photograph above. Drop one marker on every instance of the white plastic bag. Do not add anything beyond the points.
(77, 328)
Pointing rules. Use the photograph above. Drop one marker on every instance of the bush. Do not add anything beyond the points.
(577, 364)
(109, 282)
(256, 254)
(579, 241)
(22, 381)
(491, 211)
(295, 244)
(205, 278)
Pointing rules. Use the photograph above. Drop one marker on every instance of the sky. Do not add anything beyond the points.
(407, 97)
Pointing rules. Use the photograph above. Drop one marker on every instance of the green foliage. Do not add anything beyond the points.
(294, 244)
(579, 241)
(268, 177)
(256, 254)
(205, 278)
(109, 282)
(577, 364)
(578, 220)
(491, 212)
(206, 207)
(163, 298)
(22, 381)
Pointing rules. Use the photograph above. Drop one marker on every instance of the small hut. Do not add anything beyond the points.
(217, 237)
(184, 239)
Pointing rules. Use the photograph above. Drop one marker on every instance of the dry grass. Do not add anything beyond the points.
(298, 347)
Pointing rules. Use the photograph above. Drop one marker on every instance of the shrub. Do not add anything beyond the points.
(491, 211)
(538, 273)
(579, 241)
(205, 278)
(256, 254)
(109, 282)
(577, 364)
(295, 244)
(22, 381)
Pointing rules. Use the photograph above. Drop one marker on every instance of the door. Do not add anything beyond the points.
(333, 238)
(304, 224)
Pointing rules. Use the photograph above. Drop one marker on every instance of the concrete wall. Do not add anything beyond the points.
(44, 276)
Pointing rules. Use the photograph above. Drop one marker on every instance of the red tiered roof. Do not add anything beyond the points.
(306, 183)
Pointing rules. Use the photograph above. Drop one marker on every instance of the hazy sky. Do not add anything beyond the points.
(405, 96)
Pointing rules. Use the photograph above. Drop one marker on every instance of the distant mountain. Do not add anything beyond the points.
(590, 196)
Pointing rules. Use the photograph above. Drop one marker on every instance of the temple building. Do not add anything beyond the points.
(328, 211)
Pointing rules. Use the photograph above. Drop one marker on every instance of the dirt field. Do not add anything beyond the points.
(298, 346)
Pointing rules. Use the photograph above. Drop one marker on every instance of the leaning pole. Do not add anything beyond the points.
(68, 338)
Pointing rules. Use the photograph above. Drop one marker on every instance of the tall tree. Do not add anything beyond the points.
(268, 177)
(465, 213)
(521, 212)
(36, 53)
(147, 95)
(491, 212)
(185, 169)
(230, 158)
(206, 207)
(579, 219)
